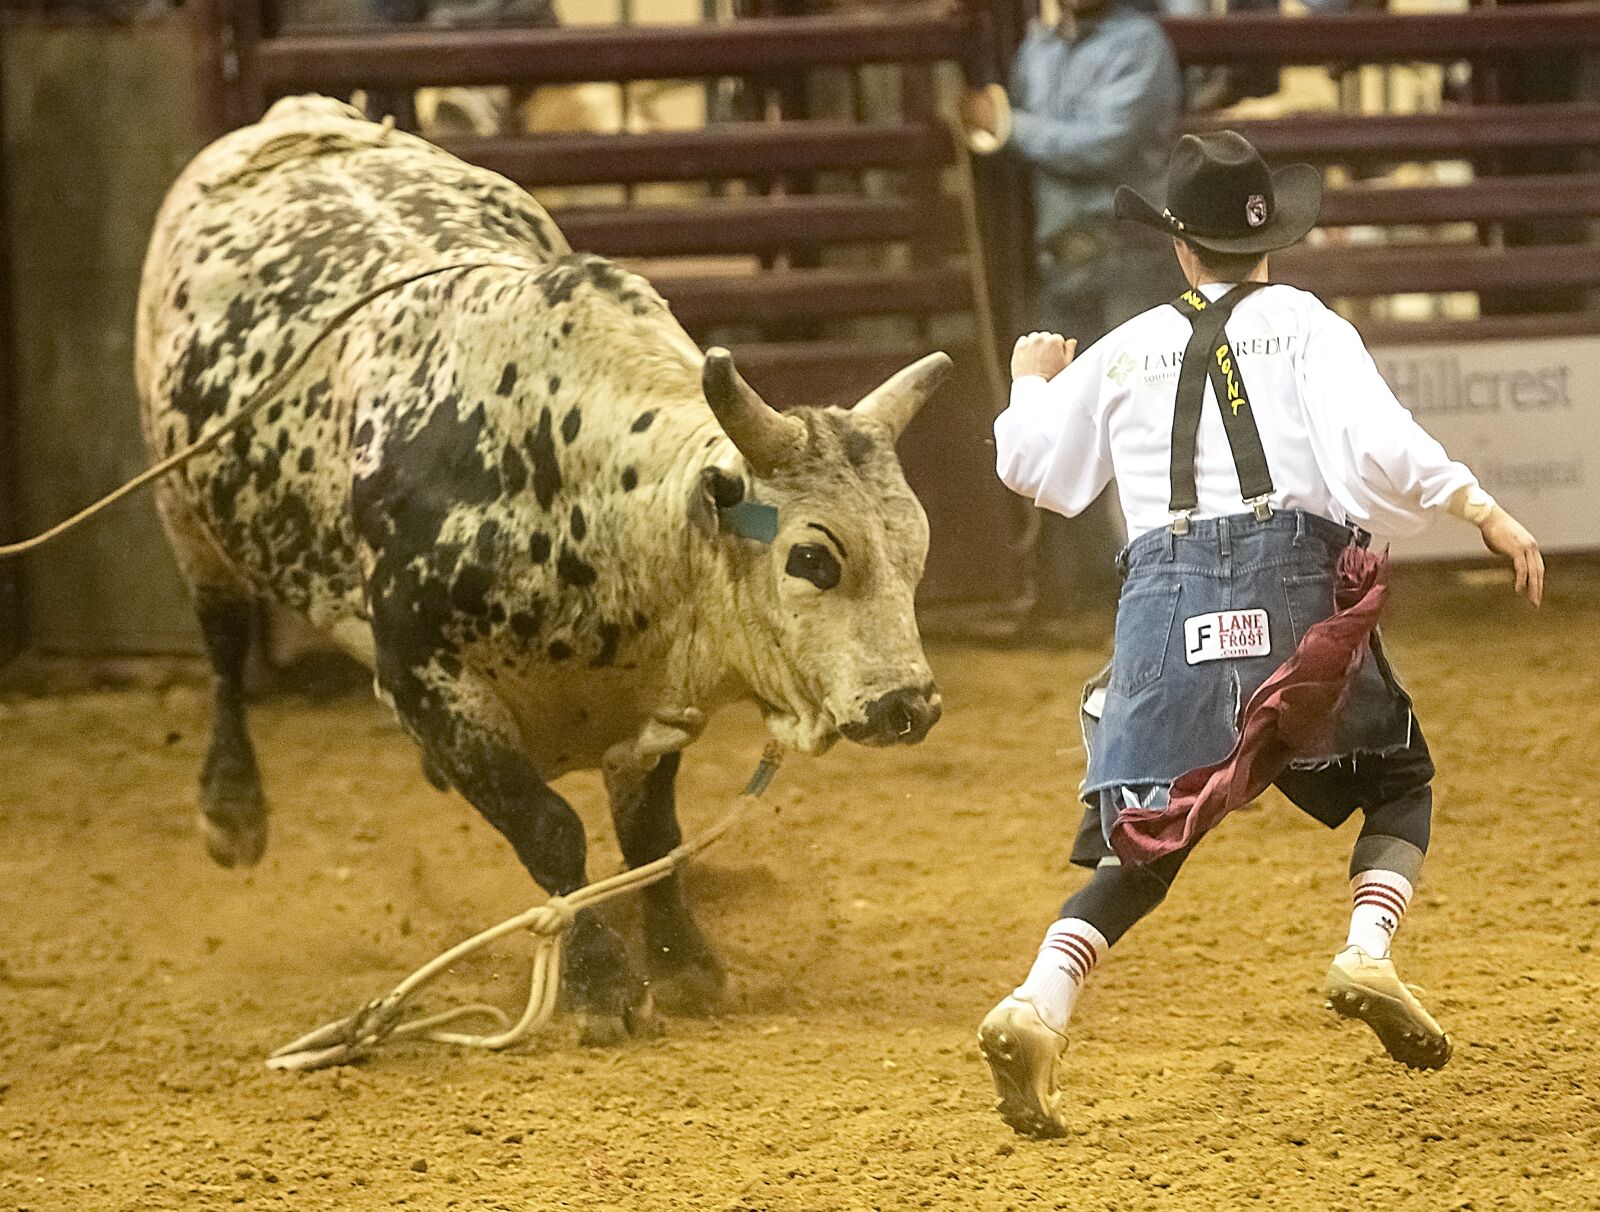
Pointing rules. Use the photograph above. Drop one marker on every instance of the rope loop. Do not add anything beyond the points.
(348, 1039)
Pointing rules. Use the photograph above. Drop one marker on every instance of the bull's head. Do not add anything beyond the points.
(834, 589)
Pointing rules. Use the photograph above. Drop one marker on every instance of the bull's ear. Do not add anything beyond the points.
(721, 488)
(765, 437)
(897, 401)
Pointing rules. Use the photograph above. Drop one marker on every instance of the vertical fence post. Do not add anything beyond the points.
(12, 634)
(227, 89)
(249, 20)
(216, 67)
(1002, 183)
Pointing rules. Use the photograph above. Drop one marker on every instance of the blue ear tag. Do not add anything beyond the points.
(751, 520)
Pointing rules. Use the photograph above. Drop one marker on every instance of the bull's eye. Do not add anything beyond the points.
(815, 563)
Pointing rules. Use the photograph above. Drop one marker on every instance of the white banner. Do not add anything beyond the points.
(1525, 416)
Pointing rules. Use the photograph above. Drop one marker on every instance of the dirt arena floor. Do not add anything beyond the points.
(870, 921)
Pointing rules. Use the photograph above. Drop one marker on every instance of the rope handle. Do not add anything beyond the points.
(354, 1036)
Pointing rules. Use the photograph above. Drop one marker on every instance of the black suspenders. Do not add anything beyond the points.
(1208, 354)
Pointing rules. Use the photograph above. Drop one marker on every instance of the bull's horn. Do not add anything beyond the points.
(897, 401)
(764, 436)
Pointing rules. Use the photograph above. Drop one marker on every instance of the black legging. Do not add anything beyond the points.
(1392, 790)
(1116, 897)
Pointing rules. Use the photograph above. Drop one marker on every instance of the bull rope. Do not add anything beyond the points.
(263, 395)
(378, 1022)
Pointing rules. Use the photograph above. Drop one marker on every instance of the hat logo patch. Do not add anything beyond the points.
(1255, 210)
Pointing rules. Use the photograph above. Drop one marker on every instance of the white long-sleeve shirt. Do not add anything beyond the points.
(1337, 442)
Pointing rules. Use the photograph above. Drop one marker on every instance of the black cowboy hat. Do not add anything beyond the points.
(1220, 195)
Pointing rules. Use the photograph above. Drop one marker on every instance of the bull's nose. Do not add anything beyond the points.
(901, 717)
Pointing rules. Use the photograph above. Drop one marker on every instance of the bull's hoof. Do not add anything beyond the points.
(233, 811)
(693, 990)
(599, 981)
(600, 1029)
(234, 844)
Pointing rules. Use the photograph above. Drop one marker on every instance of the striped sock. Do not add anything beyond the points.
(1380, 901)
(1071, 949)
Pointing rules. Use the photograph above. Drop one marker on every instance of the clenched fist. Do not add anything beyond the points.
(1045, 354)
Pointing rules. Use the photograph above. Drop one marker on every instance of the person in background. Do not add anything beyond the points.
(1093, 103)
(1219, 88)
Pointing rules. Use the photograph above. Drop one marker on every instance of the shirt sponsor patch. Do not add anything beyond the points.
(1226, 635)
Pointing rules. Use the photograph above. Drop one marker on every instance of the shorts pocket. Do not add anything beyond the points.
(1145, 617)
(1308, 599)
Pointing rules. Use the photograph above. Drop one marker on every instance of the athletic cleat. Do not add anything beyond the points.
(1023, 1055)
(1368, 989)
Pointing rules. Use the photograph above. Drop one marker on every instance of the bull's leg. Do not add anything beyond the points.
(685, 973)
(494, 774)
(233, 812)
(471, 742)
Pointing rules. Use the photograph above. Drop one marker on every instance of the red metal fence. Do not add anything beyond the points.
(783, 185)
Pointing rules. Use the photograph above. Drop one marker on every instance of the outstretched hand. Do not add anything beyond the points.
(1504, 535)
(1045, 354)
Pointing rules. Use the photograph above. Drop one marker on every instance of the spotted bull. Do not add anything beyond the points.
(558, 534)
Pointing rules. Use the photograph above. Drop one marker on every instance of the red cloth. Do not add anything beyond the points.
(1293, 714)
